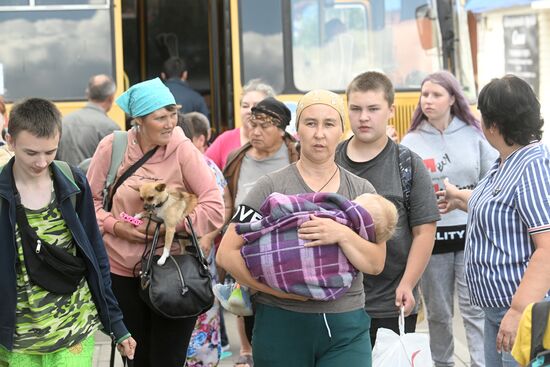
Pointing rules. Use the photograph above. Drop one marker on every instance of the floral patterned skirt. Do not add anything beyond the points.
(205, 346)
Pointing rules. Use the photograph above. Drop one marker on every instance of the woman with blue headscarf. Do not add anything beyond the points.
(177, 163)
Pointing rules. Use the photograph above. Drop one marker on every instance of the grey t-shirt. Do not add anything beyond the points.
(383, 173)
(288, 181)
(252, 169)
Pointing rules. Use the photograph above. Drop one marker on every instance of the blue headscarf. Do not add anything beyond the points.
(145, 97)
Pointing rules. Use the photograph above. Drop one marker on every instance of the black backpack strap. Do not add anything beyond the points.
(67, 171)
(405, 173)
(539, 322)
(120, 142)
(130, 171)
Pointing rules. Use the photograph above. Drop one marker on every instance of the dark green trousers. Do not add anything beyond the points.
(292, 339)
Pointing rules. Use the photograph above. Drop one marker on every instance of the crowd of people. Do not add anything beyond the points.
(458, 207)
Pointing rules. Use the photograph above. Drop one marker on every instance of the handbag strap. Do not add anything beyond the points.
(29, 238)
(194, 241)
(130, 171)
(28, 234)
(154, 243)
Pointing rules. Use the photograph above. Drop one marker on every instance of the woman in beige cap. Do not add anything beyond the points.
(291, 330)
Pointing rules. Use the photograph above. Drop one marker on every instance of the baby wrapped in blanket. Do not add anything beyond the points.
(278, 258)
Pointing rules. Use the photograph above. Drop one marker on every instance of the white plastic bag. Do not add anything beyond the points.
(404, 350)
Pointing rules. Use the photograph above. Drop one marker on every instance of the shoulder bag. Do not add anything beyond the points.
(49, 266)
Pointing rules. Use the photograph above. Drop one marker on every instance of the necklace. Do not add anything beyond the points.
(330, 179)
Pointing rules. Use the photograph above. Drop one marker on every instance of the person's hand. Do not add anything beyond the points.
(392, 133)
(284, 295)
(404, 298)
(447, 199)
(508, 330)
(320, 231)
(127, 348)
(128, 232)
(205, 244)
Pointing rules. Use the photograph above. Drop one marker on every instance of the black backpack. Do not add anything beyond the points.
(404, 160)
(539, 356)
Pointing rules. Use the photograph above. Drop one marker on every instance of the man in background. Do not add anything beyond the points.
(174, 73)
(82, 130)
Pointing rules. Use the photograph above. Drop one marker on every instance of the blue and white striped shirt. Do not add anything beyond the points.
(511, 203)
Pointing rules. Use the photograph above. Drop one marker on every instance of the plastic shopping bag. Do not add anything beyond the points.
(404, 350)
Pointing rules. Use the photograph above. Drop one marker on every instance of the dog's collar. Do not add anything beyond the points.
(161, 204)
(150, 208)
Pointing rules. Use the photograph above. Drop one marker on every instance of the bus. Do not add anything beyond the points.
(51, 47)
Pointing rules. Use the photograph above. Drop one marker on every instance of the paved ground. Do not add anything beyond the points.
(462, 359)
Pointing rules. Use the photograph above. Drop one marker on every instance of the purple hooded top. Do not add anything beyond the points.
(276, 256)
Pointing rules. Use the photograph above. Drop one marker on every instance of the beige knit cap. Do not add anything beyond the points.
(321, 96)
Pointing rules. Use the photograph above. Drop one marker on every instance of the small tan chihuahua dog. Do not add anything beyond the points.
(171, 206)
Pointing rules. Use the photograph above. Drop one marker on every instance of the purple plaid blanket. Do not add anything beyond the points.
(277, 257)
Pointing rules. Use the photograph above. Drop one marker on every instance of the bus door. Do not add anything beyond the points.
(155, 30)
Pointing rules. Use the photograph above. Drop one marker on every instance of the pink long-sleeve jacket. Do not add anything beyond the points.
(179, 164)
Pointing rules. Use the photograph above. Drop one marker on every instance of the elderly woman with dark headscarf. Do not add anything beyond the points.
(253, 92)
(176, 162)
(269, 149)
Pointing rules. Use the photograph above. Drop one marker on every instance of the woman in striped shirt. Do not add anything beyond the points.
(508, 234)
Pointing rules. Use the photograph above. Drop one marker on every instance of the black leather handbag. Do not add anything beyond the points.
(180, 288)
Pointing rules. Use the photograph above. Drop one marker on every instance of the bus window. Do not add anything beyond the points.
(51, 54)
(14, 2)
(70, 2)
(329, 43)
(262, 42)
(333, 41)
(403, 56)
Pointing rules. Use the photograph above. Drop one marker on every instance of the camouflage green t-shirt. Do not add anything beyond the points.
(47, 322)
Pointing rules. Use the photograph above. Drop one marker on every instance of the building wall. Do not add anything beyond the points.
(491, 55)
